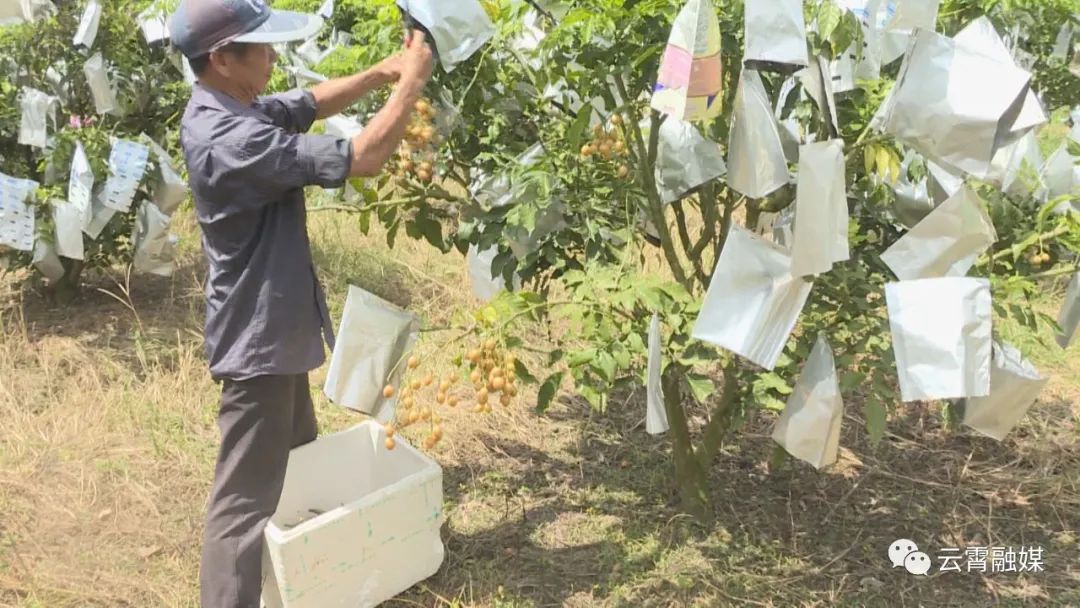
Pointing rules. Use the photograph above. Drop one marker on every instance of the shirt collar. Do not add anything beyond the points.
(214, 99)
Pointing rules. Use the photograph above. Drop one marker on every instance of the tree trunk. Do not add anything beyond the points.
(64, 291)
(690, 476)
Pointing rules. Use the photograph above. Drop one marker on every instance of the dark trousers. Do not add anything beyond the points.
(260, 420)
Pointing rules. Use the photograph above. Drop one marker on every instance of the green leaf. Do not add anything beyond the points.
(573, 135)
(875, 419)
(581, 357)
(604, 366)
(701, 386)
(547, 391)
(829, 16)
(771, 381)
(522, 372)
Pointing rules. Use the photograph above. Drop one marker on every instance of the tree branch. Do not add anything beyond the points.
(720, 421)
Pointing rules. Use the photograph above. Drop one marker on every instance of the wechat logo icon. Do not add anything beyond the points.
(904, 553)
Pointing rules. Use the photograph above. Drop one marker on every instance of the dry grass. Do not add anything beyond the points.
(107, 441)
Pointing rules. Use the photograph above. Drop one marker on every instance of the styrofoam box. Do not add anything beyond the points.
(378, 531)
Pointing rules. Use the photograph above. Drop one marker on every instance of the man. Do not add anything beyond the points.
(249, 159)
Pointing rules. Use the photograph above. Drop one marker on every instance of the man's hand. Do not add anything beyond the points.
(389, 69)
(417, 61)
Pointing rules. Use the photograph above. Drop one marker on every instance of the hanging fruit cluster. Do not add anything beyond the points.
(608, 144)
(490, 371)
(417, 155)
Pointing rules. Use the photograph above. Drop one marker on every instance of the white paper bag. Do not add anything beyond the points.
(981, 37)
(809, 428)
(326, 11)
(685, 159)
(81, 184)
(484, 286)
(1069, 317)
(37, 107)
(127, 165)
(16, 215)
(946, 242)
(757, 166)
(656, 421)
(821, 211)
(153, 22)
(1015, 384)
(69, 224)
(100, 86)
(88, 25)
(775, 33)
(46, 261)
(458, 29)
(154, 247)
(941, 337)
(343, 126)
(101, 215)
(1057, 174)
(753, 300)
(169, 188)
(976, 100)
(373, 341)
(908, 15)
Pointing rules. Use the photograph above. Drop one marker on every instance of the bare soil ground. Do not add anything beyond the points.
(107, 440)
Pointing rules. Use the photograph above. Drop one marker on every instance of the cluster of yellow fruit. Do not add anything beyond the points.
(1038, 259)
(489, 377)
(608, 144)
(491, 372)
(417, 154)
(410, 413)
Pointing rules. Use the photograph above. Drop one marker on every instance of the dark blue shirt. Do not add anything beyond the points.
(248, 165)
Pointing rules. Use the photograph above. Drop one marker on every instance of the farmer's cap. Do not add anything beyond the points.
(199, 27)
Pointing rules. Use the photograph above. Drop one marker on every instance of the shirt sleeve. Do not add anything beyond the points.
(293, 110)
(257, 166)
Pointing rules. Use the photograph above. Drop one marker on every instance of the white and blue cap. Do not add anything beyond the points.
(199, 27)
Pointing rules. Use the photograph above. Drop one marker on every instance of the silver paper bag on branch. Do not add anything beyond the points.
(943, 183)
(685, 159)
(690, 78)
(81, 184)
(16, 214)
(154, 247)
(976, 100)
(865, 63)
(37, 107)
(981, 37)
(791, 132)
(100, 86)
(69, 224)
(1057, 174)
(101, 215)
(458, 29)
(13, 12)
(373, 341)
(343, 126)
(55, 76)
(821, 211)
(1069, 316)
(484, 285)
(169, 188)
(775, 34)
(656, 421)
(153, 22)
(496, 190)
(946, 242)
(753, 300)
(88, 25)
(46, 261)
(757, 166)
(941, 332)
(127, 165)
(1015, 384)
(817, 82)
(907, 16)
(326, 11)
(809, 427)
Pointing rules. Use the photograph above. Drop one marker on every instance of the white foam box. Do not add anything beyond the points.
(357, 524)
